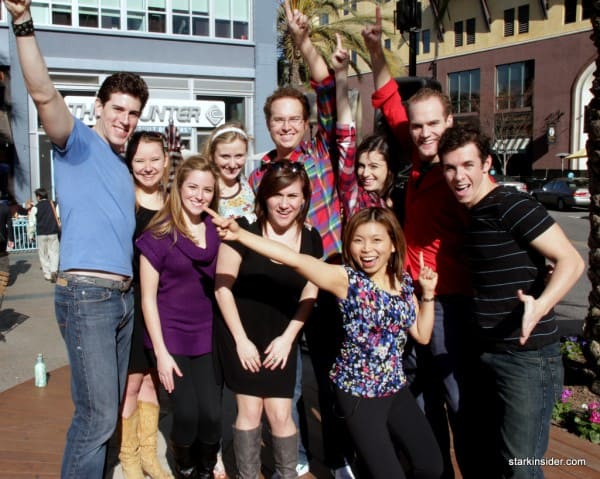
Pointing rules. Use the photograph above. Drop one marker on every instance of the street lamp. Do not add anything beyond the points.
(562, 157)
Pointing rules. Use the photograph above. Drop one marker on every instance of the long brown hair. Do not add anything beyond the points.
(388, 220)
(171, 217)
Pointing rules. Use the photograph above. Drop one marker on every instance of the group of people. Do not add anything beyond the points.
(226, 272)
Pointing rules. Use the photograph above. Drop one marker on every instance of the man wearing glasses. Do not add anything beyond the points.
(93, 299)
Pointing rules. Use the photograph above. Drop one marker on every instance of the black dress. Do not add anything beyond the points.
(140, 359)
(266, 296)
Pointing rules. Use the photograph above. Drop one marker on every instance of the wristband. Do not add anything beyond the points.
(427, 300)
(24, 29)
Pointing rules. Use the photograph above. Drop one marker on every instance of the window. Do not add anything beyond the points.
(157, 16)
(586, 9)
(426, 38)
(346, 10)
(353, 56)
(324, 19)
(190, 17)
(514, 83)
(387, 44)
(570, 11)
(458, 34)
(524, 19)
(470, 31)
(463, 88)
(509, 22)
(231, 19)
(353, 5)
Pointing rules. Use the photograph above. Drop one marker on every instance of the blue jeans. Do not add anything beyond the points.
(436, 375)
(96, 325)
(524, 387)
(302, 455)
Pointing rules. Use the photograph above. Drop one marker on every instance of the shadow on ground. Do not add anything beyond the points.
(10, 319)
(19, 267)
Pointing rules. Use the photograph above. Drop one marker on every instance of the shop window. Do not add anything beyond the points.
(463, 89)
(509, 22)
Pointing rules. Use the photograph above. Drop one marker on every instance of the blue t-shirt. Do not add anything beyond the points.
(97, 204)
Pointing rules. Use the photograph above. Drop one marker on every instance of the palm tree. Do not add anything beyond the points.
(327, 21)
(592, 320)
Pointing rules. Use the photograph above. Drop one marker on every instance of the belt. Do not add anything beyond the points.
(64, 279)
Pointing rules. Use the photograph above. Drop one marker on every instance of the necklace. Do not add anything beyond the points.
(237, 192)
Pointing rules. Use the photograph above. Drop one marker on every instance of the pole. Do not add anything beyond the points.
(412, 60)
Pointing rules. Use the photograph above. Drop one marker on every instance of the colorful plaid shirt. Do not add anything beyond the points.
(353, 196)
(325, 210)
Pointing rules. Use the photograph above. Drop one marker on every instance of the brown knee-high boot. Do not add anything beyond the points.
(148, 434)
(129, 453)
(246, 447)
(285, 454)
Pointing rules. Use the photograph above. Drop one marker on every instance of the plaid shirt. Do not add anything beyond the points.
(353, 196)
(325, 211)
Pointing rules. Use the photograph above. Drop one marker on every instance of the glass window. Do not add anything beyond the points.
(387, 44)
(40, 11)
(470, 31)
(88, 17)
(111, 19)
(570, 11)
(324, 19)
(514, 82)
(509, 22)
(61, 15)
(458, 34)
(426, 38)
(586, 9)
(524, 19)
(463, 88)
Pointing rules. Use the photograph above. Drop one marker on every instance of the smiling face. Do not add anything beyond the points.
(287, 125)
(285, 205)
(371, 248)
(467, 174)
(230, 159)
(428, 121)
(372, 171)
(148, 164)
(197, 190)
(117, 119)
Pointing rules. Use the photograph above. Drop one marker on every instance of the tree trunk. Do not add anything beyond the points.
(592, 321)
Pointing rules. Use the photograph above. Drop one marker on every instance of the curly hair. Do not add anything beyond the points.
(124, 82)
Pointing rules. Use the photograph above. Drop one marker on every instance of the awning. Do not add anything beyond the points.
(578, 154)
(510, 146)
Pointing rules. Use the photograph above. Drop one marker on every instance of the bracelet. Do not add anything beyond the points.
(24, 29)
(427, 300)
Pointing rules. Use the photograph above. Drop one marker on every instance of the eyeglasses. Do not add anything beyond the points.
(292, 121)
(284, 165)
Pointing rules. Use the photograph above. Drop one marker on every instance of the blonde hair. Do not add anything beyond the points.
(171, 219)
(226, 133)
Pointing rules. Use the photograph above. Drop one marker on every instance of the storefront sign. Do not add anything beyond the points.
(184, 113)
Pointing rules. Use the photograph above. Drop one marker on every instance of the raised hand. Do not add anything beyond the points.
(18, 9)
(372, 33)
(427, 278)
(340, 57)
(297, 23)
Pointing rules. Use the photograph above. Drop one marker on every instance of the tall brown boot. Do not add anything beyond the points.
(129, 454)
(148, 434)
(246, 447)
(285, 454)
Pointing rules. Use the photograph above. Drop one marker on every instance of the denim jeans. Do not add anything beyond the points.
(302, 455)
(525, 385)
(96, 325)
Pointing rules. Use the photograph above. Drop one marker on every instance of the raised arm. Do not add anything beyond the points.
(339, 61)
(372, 37)
(299, 26)
(54, 114)
(325, 276)
(568, 266)
(423, 327)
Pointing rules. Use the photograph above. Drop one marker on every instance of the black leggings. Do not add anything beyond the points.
(384, 430)
(196, 401)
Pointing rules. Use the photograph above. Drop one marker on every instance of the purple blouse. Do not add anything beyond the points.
(185, 289)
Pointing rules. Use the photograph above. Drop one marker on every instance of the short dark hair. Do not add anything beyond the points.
(287, 92)
(458, 136)
(41, 193)
(279, 175)
(124, 82)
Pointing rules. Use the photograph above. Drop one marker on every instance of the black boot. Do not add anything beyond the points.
(185, 464)
(205, 456)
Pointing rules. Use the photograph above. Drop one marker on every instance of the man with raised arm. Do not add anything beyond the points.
(434, 225)
(93, 298)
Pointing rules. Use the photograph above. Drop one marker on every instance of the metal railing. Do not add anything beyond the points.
(24, 240)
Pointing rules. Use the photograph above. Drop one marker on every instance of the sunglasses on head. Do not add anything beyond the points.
(285, 165)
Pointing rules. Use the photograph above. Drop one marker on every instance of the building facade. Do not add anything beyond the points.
(205, 62)
(521, 70)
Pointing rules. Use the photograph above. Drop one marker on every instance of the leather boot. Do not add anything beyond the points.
(148, 434)
(206, 458)
(129, 453)
(185, 464)
(246, 447)
(285, 454)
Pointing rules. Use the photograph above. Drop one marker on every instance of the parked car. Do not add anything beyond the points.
(563, 193)
(510, 181)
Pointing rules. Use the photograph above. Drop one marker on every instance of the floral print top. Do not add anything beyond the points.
(375, 326)
(239, 205)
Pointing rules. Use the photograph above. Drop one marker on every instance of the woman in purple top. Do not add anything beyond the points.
(177, 271)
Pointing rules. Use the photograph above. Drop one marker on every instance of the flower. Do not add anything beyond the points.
(566, 395)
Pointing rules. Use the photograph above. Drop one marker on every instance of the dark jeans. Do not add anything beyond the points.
(96, 324)
(386, 429)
